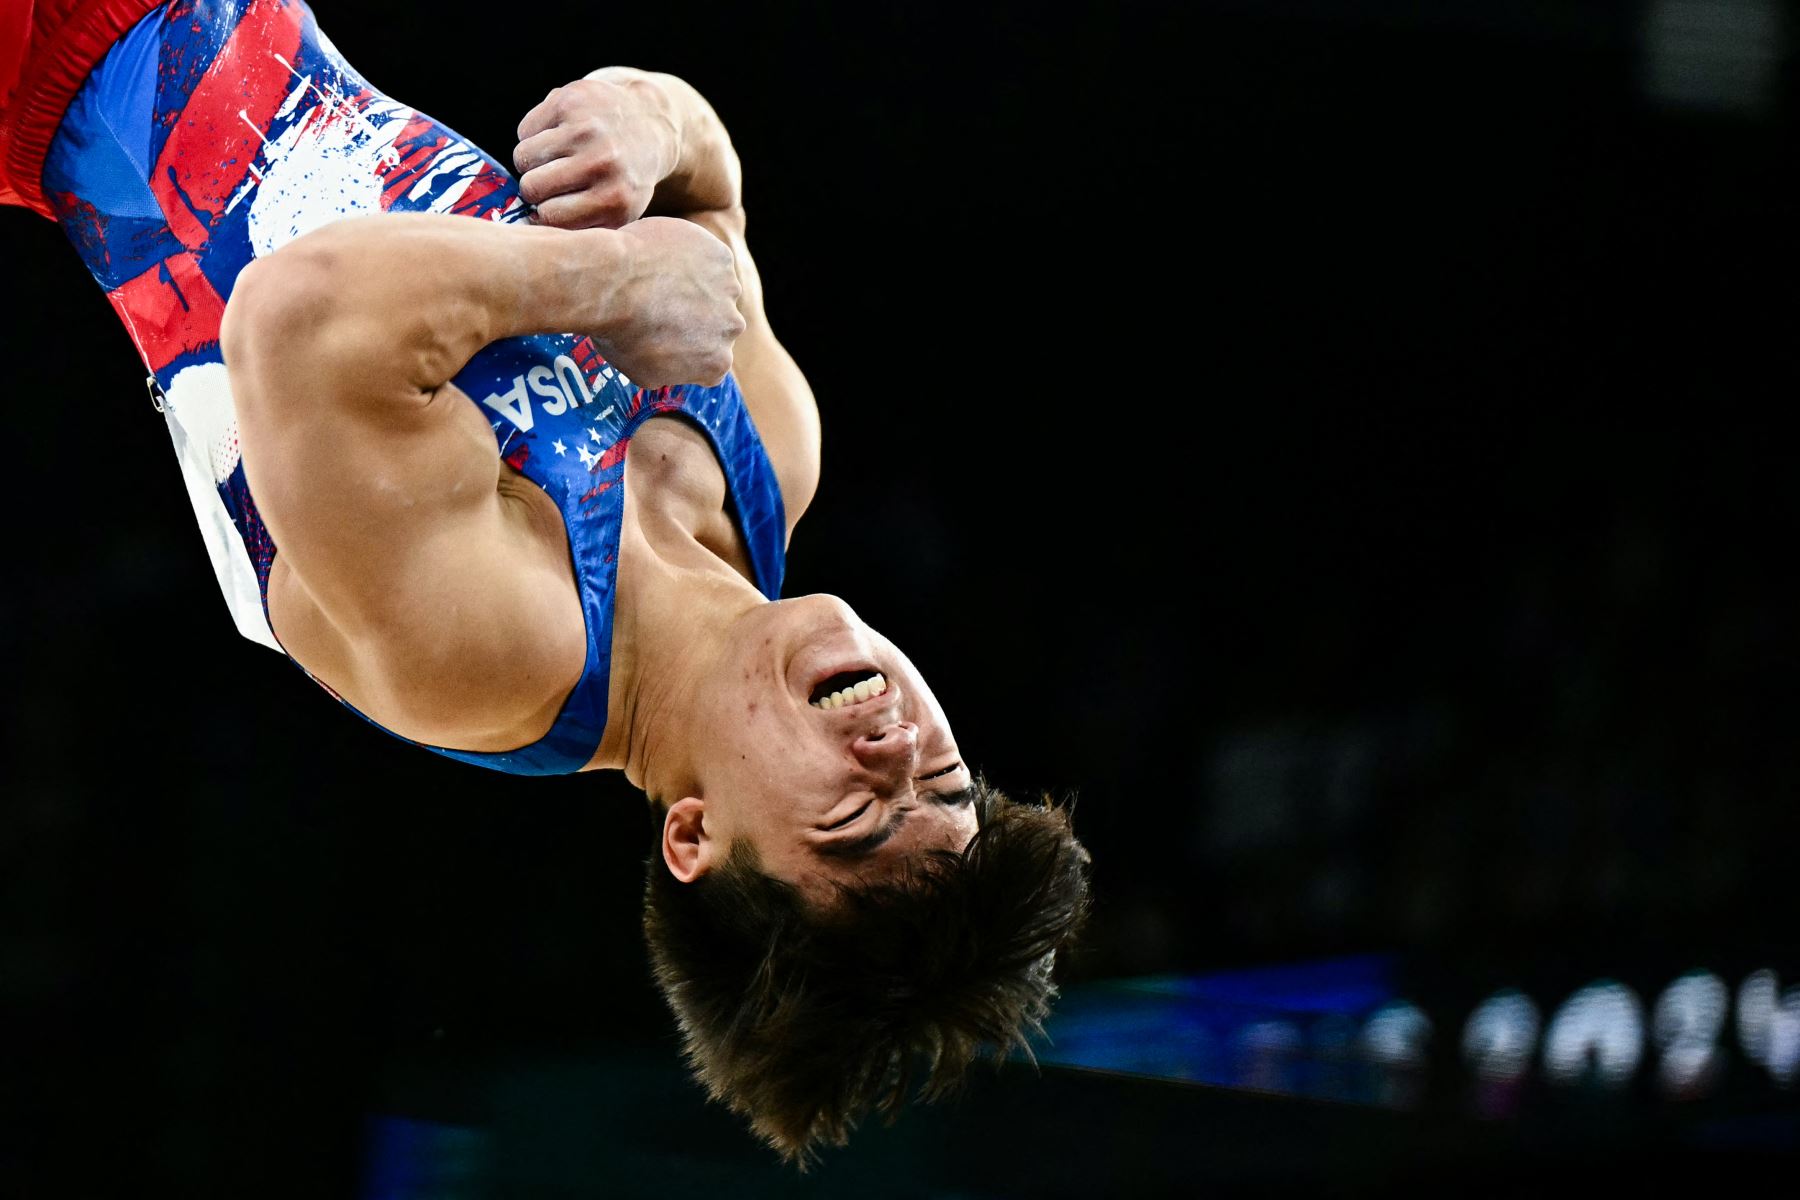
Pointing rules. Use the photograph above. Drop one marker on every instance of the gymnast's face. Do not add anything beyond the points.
(825, 749)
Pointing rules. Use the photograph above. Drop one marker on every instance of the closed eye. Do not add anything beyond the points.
(940, 774)
(849, 819)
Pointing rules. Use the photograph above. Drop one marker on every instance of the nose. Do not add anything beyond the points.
(891, 751)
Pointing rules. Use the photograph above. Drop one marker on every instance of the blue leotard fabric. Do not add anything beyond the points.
(217, 131)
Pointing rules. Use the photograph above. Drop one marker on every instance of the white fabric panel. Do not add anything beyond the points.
(203, 426)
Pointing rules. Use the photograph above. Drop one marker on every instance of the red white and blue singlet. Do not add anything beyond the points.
(215, 132)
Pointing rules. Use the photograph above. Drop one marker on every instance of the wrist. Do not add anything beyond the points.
(669, 117)
(700, 169)
(608, 263)
(660, 108)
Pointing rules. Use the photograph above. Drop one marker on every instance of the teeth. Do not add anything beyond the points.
(875, 685)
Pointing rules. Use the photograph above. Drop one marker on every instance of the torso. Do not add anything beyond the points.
(673, 477)
(676, 510)
(136, 165)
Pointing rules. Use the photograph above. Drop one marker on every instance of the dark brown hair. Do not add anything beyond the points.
(804, 1017)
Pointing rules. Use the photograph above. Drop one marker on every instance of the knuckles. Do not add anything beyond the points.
(587, 102)
(599, 162)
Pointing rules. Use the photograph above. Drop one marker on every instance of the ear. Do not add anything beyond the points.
(687, 848)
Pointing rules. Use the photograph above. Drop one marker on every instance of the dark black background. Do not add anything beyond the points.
(1346, 450)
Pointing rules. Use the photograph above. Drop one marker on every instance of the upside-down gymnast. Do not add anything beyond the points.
(510, 469)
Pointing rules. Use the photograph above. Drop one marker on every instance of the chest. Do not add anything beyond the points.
(572, 430)
(675, 490)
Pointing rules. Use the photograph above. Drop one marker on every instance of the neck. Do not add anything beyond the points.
(673, 621)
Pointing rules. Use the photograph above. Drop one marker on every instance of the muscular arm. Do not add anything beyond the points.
(623, 142)
(375, 306)
(411, 577)
(779, 398)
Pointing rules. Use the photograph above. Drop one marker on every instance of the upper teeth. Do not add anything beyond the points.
(874, 685)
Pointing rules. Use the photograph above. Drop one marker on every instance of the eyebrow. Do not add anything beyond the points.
(868, 844)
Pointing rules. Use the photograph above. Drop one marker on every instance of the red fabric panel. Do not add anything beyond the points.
(65, 39)
(169, 316)
(15, 36)
(212, 146)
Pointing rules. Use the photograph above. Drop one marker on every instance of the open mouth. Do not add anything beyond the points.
(848, 687)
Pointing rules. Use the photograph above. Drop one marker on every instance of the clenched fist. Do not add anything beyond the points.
(674, 313)
(590, 156)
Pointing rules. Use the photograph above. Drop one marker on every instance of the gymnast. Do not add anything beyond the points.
(510, 468)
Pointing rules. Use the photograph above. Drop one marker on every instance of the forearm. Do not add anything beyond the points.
(416, 296)
(706, 174)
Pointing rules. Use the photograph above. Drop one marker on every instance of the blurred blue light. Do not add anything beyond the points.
(422, 1160)
(1289, 1028)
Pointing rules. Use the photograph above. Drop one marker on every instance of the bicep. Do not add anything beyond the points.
(412, 587)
